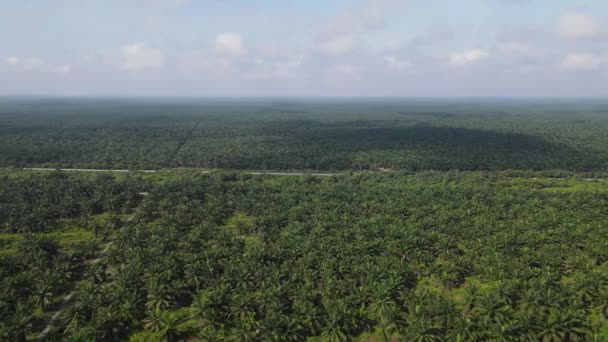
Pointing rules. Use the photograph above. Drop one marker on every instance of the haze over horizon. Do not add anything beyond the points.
(481, 48)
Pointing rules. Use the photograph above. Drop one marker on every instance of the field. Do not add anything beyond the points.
(356, 256)
(431, 220)
(305, 134)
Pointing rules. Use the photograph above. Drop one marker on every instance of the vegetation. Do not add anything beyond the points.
(487, 221)
(51, 226)
(428, 256)
(300, 134)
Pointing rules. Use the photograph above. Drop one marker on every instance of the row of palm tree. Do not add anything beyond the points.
(39, 202)
(424, 257)
(39, 270)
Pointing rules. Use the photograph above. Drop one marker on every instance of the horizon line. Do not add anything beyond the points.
(296, 97)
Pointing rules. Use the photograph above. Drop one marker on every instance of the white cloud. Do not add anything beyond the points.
(365, 16)
(278, 69)
(63, 69)
(342, 32)
(13, 60)
(27, 63)
(229, 44)
(467, 57)
(343, 69)
(397, 64)
(137, 57)
(515, 47)
(165, 4)
(32, 63)
(581, 61)
(577, 25)
(205, 62)
(337, 45)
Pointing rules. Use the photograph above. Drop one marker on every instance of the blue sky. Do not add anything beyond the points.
(304, 48)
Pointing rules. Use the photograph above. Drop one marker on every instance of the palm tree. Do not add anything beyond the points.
(242, 333)
(492, 309)
(444, 311)
(82, 334)
(527, 326)
(209, 307)
(603, 299)
(194, 274)
(97, 272)
(107, 326)
(246, 327)
(43, 295)
(74, 316)
(422, 330)
(159, 295)
(309, 316)
(385, 312)
(334, 333)
(170, 325)
(5, 331)
(464, 329)
(129, 308)
(471, 292)
(564, 325)
(21, 322)
(336, 327)
(153, 322)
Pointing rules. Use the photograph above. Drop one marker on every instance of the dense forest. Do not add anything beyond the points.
(330, 134)
(226, 256)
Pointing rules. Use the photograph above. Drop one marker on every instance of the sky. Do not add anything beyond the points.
(404, 48)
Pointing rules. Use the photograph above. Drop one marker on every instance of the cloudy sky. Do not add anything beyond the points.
(304, 48)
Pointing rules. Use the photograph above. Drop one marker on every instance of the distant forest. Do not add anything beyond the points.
(328, 134)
